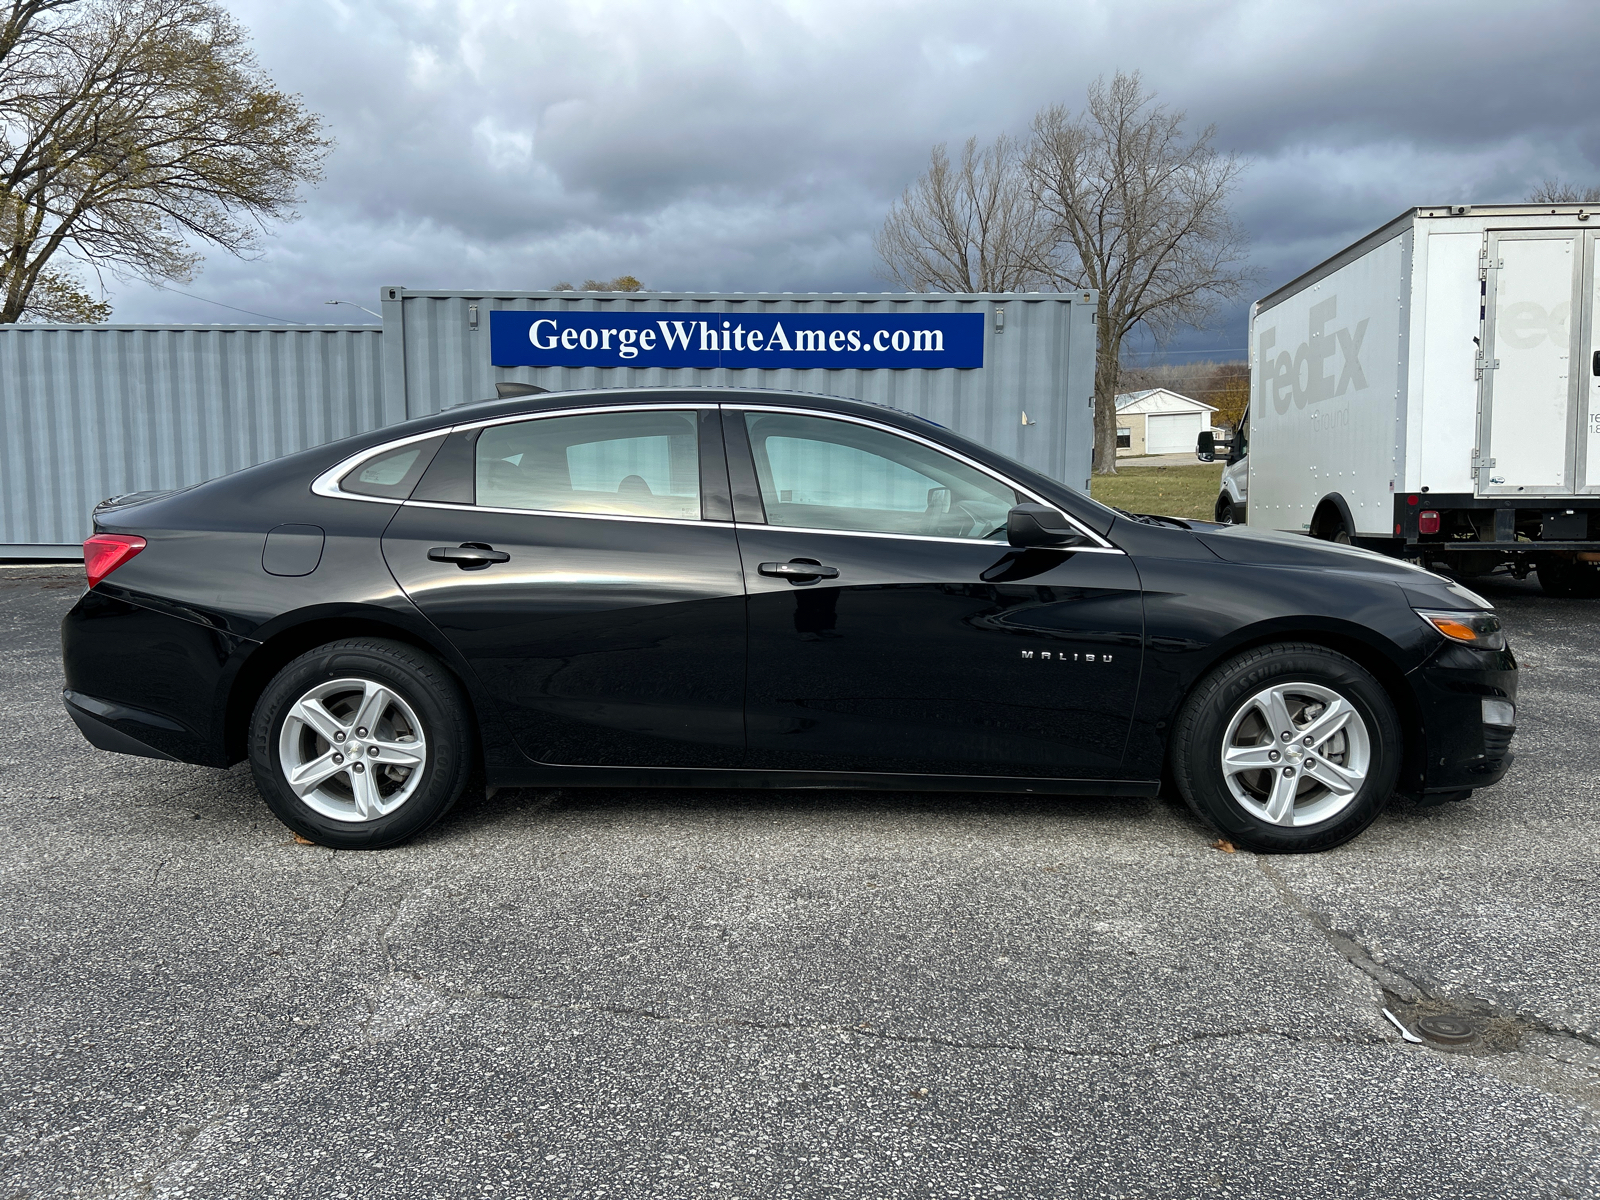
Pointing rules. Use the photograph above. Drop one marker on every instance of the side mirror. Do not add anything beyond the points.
(1206, 445)
(1039, 525)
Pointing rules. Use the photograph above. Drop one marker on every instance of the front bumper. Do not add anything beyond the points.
(1462, 751)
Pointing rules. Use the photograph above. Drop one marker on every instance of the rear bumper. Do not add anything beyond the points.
(106, 725)
(144, 682)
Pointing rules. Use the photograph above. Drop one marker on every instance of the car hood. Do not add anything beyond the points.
(1270, 548)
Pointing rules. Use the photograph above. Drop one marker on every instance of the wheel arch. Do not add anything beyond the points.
(295, 635)
(1369, 656)
(1331, 512)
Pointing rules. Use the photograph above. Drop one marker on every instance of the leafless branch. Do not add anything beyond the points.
(967, 228)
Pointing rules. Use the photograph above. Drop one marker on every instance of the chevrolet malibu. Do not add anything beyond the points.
(742, 588)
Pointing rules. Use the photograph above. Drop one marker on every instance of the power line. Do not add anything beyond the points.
(220, 304)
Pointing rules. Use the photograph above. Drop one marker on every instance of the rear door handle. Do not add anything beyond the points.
(799, 570)
(469, 556)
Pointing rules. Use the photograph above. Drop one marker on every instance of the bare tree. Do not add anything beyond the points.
(128, 130)
(1559, 191)
(968, 228)
(1139, 213)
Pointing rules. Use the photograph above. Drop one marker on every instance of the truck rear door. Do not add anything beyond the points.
(1589, 376)
(1532, 403)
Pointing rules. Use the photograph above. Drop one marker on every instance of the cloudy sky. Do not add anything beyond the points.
(747, 146)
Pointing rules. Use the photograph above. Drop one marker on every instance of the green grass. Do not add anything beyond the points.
(1165, 491)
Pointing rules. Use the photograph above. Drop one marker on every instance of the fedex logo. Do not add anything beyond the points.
(1327, 363)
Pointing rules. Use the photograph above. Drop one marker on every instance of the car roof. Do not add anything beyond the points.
(477, 410)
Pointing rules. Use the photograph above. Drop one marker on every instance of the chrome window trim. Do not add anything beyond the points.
(699, 521)
(558, 512)
(923, 537)
(1100, 542)
(327, 484)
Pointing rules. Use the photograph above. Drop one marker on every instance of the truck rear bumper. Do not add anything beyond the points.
(1462, 523)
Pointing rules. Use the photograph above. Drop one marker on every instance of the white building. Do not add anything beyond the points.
(1160, 421)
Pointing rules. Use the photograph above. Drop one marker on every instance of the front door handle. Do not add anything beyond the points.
(469, 556)
(799, 570)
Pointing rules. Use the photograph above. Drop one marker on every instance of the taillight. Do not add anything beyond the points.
(1428, 522)
(105, 552)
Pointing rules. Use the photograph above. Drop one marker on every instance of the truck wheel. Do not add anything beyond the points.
(1224, 509)
(361, 743)
(1562, 577)
(1287, 749)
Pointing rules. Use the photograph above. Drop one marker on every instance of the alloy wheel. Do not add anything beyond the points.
(1296, 754)
(352, 749)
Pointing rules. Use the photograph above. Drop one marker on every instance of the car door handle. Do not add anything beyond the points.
(469, 556)
(799, 569)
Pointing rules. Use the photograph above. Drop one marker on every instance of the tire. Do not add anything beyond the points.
(418, 755)
(1224, 510)
(1561, 577)
(1232, 707)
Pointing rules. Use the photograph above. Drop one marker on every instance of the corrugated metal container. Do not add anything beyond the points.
(1038, 359)
(92, 411)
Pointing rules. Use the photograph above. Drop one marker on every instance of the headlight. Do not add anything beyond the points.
(1477, 629)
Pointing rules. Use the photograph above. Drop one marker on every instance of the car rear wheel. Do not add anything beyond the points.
(1287, 749)
(360, 744)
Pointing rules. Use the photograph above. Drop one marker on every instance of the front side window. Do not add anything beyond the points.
(817, 473)
(638, 464)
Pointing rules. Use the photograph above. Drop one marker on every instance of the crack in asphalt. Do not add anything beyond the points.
(1405, 988)
(445, 992)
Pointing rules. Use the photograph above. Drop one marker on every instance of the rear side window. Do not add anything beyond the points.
(640, 464)
(393, 473)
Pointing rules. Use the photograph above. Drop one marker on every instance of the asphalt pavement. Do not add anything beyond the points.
(771, 994)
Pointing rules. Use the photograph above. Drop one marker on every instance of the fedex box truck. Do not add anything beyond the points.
(1433, 391)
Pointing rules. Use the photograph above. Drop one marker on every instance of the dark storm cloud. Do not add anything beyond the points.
(746, 146)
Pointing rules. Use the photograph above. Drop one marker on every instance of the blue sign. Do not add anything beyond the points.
(736, 340)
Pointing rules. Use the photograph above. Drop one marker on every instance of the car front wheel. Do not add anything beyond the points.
(1287, 749)
(360, 744)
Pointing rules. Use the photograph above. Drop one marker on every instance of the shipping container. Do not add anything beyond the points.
(1026, 387)
(91, 411)
(96, 411)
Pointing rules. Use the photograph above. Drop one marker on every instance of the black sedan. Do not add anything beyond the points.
(716, 587)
